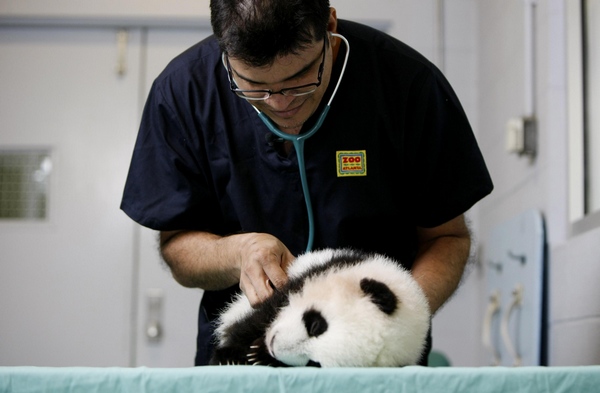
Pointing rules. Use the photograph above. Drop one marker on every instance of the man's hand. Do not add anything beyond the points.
(263, 263)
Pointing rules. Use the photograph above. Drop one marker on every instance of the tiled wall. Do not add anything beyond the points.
(575, 301)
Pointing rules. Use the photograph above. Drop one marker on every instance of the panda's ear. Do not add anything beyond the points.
(380, 294)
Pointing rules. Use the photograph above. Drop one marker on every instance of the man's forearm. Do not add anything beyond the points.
(441, 261)
(199, 259)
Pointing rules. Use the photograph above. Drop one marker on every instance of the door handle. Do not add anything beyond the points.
(154, 325)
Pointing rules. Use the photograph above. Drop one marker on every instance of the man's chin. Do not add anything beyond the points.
(289, 127)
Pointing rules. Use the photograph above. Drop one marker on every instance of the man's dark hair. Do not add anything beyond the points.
(257, 31)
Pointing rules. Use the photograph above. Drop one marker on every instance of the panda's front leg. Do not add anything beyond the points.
(225, 356)
(255, 354)
(244, 349)
(235, 348)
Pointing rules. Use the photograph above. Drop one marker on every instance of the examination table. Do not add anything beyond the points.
(230, 379)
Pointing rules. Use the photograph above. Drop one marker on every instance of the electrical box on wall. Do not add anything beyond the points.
(521, 136)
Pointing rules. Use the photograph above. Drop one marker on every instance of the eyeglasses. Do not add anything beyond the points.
(263, 94)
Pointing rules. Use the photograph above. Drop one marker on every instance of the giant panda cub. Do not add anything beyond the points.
(340, 308)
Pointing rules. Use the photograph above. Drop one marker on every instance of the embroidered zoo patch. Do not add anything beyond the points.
(351, 163)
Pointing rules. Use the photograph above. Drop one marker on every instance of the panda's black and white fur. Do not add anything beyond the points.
(340, 308)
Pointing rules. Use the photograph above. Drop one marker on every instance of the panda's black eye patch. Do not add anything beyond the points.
(314, 322)
(380, 294)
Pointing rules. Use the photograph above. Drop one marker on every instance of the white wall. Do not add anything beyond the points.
(411, 21)
(104, 8)
(457, 326)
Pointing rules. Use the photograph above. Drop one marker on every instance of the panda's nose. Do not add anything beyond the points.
(314, 323)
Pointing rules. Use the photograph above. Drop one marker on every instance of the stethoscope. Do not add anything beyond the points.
(298, 142)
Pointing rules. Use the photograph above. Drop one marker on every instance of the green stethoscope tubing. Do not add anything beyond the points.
(298, 143)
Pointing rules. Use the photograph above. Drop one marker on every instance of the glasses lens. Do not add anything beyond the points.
(299, 91)
(252, 95)
(263, 95)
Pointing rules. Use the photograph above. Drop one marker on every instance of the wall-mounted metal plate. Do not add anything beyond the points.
(515, 258)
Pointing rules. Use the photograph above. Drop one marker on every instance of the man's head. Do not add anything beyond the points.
(257, 31)
(274, 50)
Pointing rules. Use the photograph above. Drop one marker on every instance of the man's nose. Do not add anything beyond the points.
(278, 101)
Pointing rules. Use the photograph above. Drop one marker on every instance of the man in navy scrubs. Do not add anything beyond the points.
(392, 169)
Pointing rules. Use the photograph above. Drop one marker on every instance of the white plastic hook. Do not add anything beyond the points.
(517, 299)
(492, 309)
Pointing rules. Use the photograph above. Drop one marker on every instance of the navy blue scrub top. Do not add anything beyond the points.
(396, 151)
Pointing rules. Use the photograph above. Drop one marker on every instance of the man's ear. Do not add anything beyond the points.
(332, 24)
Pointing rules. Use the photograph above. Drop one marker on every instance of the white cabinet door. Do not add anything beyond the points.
(66, 281)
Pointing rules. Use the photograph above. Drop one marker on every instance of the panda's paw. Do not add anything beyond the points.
(258, 355)
(228, 356)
